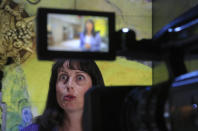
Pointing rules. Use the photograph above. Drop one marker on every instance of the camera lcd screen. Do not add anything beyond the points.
(77, 33)
(74, 34)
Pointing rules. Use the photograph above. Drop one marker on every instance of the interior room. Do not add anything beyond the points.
(145, 68)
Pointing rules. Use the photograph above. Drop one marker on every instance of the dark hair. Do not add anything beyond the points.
(53, 114)
(93, 32)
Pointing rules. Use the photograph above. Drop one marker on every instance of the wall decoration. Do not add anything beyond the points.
(16, 46)
(16, 96)
(16, 33)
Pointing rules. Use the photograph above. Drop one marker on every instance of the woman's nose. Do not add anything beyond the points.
(70, 84)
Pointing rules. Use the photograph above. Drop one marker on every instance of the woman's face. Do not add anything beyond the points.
(71, 86)
(89, 26)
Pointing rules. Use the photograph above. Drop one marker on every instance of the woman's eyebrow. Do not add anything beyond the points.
(62, 71)
(80, 71)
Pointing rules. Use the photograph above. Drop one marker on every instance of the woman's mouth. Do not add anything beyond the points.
(69, 97)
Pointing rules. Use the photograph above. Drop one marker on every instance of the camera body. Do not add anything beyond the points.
(168, 106)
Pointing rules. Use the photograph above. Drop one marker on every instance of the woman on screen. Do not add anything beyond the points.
(69, 81)
(89, 39)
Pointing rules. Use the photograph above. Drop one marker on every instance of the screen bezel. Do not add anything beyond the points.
(45, 54)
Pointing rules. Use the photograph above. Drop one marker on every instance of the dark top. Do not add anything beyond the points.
(34, 127)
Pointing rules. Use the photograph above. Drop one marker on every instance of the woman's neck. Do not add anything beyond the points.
(73, 122)
(89, 33)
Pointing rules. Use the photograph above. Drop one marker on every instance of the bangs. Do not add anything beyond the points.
(74, 65)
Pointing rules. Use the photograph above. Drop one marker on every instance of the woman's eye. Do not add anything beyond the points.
(63, 77)
(80, 77)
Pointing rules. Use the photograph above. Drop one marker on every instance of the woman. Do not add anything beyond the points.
(89, 39)
(69, 81)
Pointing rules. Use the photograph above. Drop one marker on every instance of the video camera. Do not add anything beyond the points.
(167, 106)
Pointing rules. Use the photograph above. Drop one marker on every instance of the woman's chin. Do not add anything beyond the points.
(71, 109)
